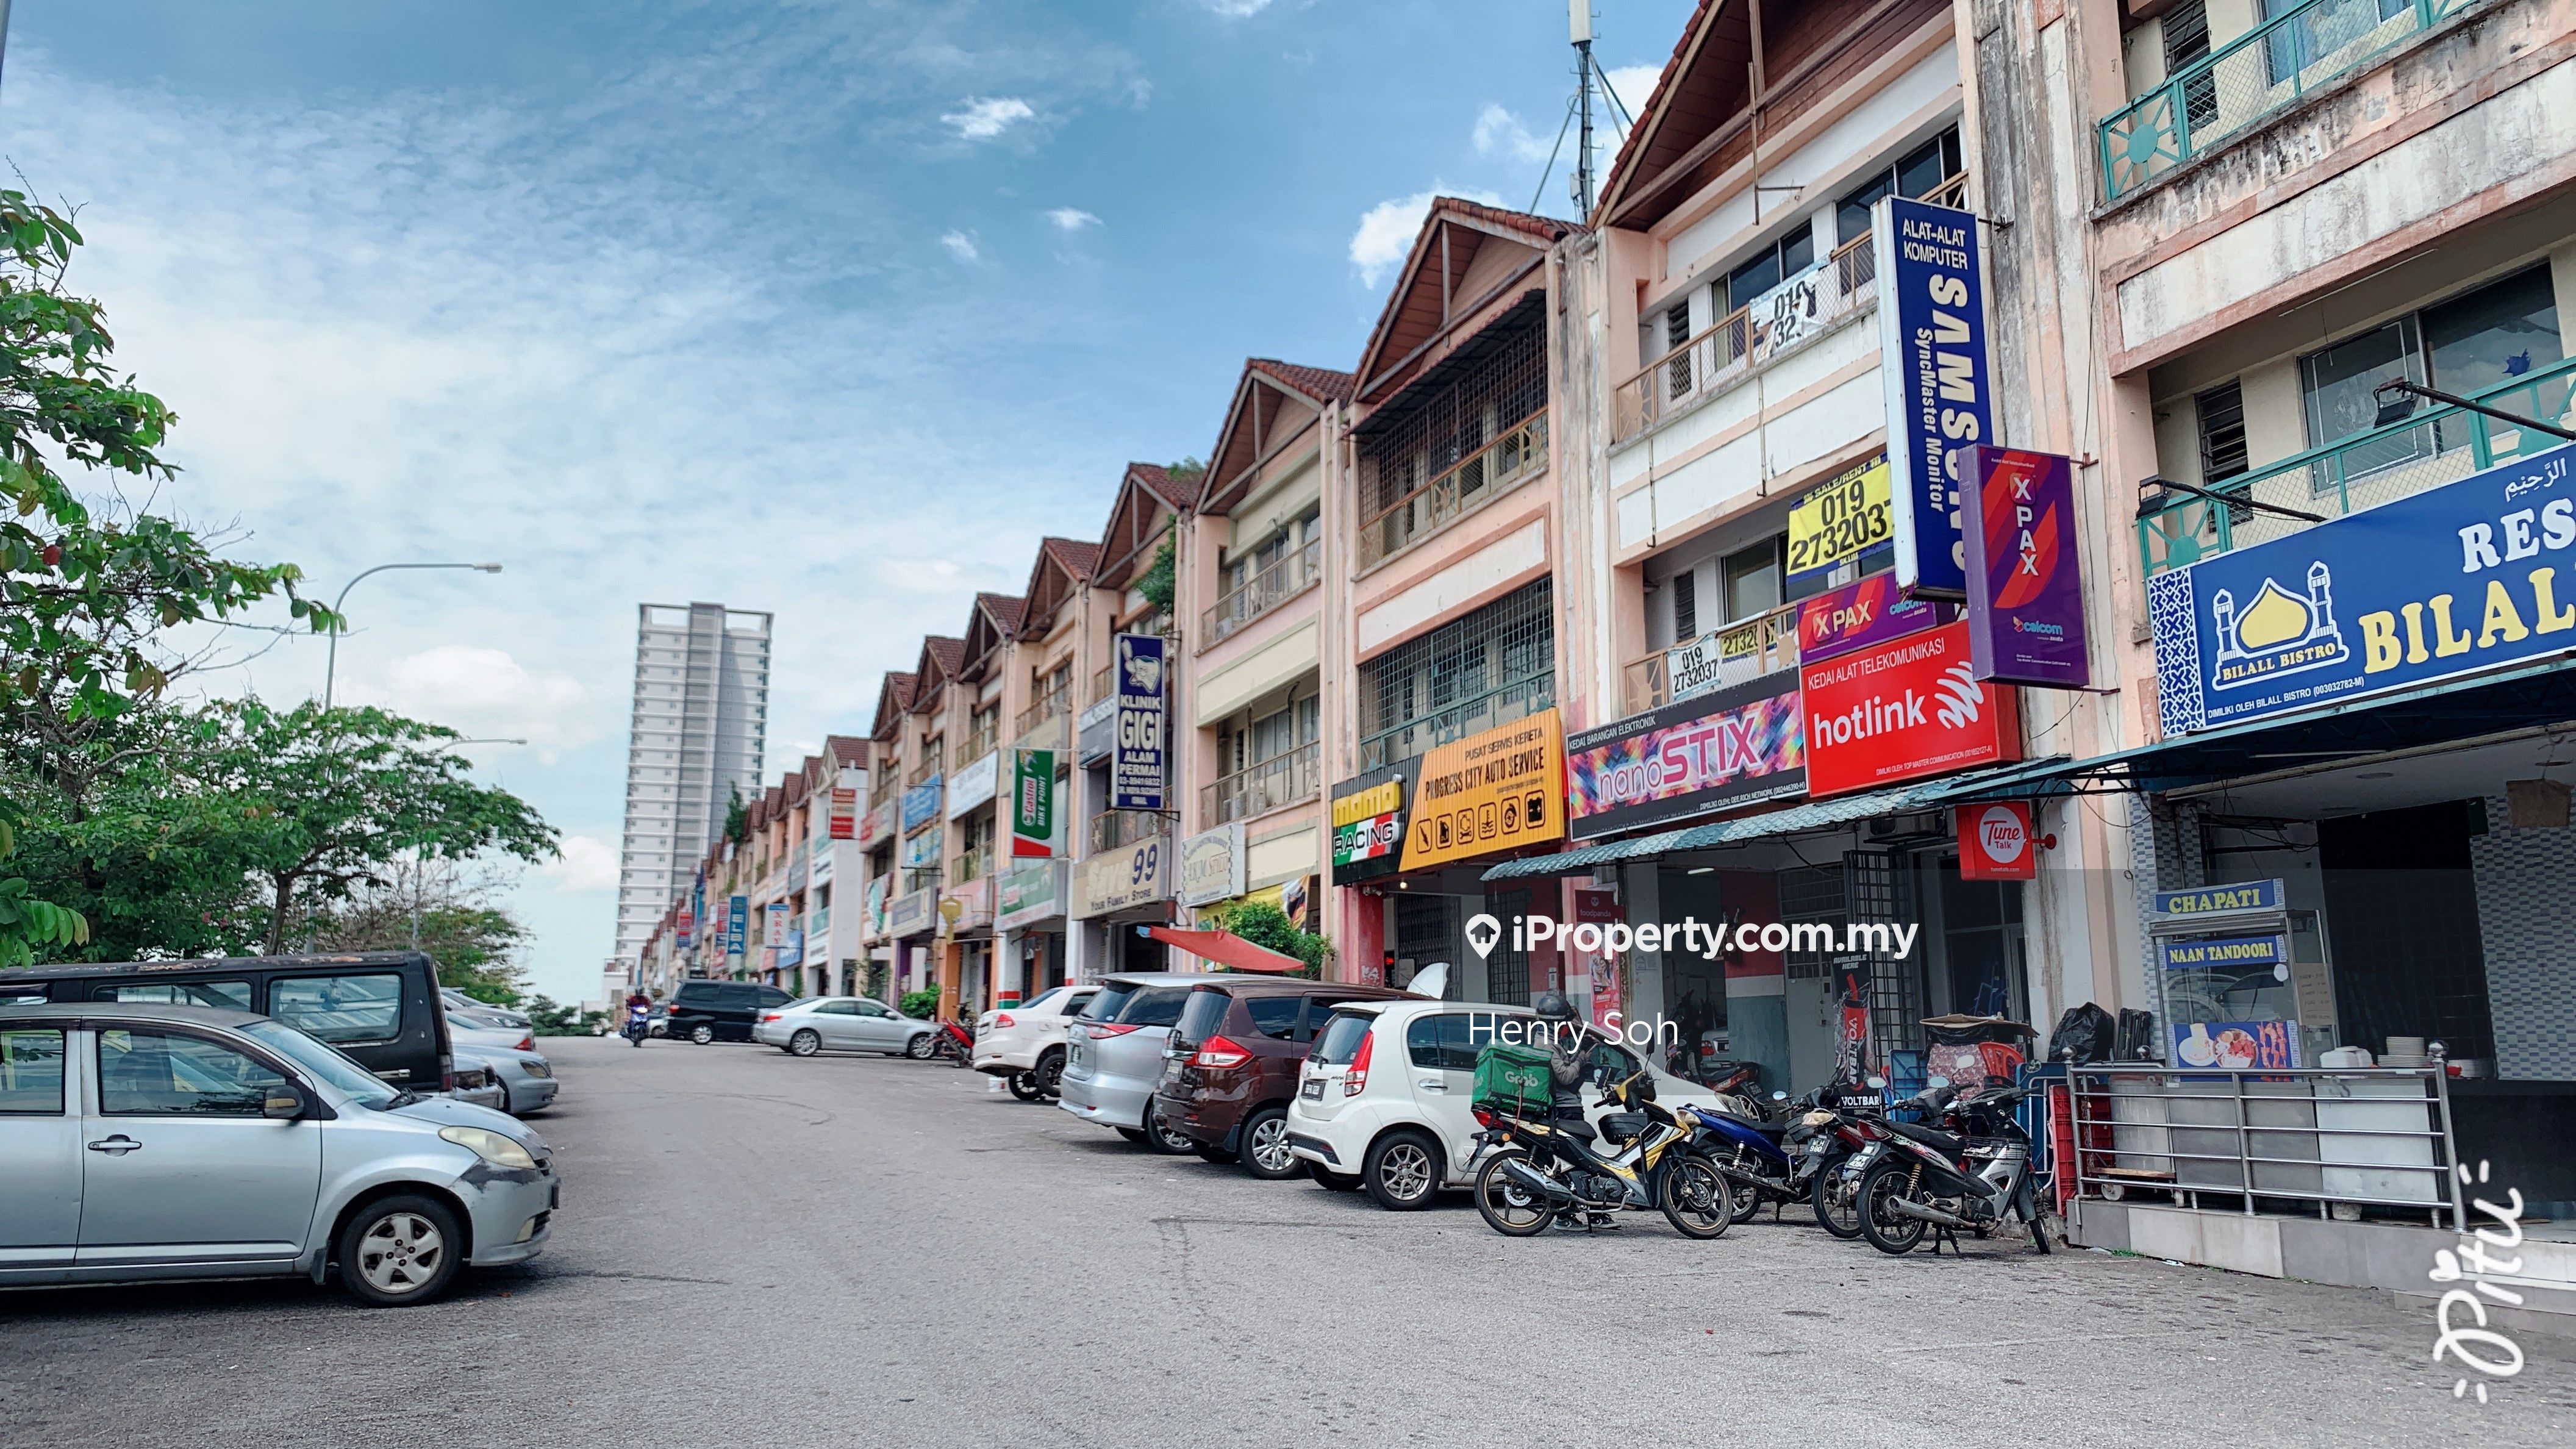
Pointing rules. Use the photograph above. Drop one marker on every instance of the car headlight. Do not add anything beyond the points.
(491, 1146)
(537, 1069)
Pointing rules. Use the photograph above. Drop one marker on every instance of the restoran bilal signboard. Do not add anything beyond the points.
(2456, 579)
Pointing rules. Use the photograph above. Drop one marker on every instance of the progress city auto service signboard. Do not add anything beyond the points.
(2463, 577)
(1902, 710)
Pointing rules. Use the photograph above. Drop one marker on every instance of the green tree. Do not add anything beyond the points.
(737, 826)
(446, 908)
(1264, 924)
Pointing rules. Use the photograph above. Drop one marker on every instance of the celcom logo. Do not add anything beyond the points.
(1960, 697)
(1482, 932)
(2001, 832)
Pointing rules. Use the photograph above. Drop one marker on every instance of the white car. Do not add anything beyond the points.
(842, 1024)
(1384, 1099)
(1025, 1043)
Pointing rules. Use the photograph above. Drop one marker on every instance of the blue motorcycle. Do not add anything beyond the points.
(1758, 1166)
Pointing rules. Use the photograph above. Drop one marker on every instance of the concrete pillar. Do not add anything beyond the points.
(1757, 1003)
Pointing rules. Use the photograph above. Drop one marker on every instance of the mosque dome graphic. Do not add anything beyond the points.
(2277, 632)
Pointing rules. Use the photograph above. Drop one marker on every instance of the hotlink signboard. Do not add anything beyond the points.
(1939, 379)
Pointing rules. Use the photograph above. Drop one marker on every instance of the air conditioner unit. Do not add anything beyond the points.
(1902, 829)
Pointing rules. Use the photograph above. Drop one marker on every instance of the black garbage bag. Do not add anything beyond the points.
(2084, 1034)
(2136, 1041)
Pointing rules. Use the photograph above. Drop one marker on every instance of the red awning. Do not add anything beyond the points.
(1226, 949)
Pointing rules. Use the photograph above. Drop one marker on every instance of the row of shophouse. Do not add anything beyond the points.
(1578, 593)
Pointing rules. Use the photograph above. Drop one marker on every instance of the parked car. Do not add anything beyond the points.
(842, 1024)
(151, 1142)
(465, 1033)
(474, 1078)
(704, 1011)
(458, 1002)
(1230, 1068)
(1384, 1097)
(1114, 1055)
(1024, 1044)
(526, 1079)
(381, 1007)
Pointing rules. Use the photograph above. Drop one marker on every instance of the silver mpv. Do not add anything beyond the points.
(155, 1142)
(1114, 1055)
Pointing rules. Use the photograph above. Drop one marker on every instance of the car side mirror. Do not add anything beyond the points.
(284, 1105)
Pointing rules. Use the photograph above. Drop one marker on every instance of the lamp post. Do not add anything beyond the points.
(331, 669)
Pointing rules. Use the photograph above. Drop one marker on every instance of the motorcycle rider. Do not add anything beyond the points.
(1569, 1057)
(637, 1001)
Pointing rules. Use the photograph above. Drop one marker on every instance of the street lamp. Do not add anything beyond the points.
(331, 669)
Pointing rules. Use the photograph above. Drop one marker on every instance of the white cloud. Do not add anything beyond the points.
(1236, 9)
(484, 693)
(587, 864)
(1632, 84)
(1498, 130)
(1072, 218)
(987, 117)
(1386, 230)
(961, 245)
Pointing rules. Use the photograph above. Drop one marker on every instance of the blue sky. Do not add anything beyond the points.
(829, 309)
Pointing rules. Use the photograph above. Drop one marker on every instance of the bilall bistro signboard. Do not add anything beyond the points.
(2460, 578)
(1940, 382)
(1137, 758)
(1685, 759)
(2025, 601)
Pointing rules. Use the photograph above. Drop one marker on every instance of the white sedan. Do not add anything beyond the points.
(1024, 1044)
(841, 1023)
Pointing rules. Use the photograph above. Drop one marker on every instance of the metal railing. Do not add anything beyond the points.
(1517, 454)
(1047, 706)
(2441, 444)
(1111, 829)
(1282, 779)
(1748, 649)
(971, 865)
(2373, 1137)
(920, 878)
(1273, 584)
(2258, 73)
(1100, 681)
(1457, 721)
(981, 740)
(920, 774)
(1740, 342)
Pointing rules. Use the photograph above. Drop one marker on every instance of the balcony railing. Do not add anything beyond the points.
(1258, 789)
(1048, 705)
(1111, 829)
(1747, 649)
(920, 774)
(1516, 455)
(1100, 682)
(1457, 721)
(2440, 445)
(980, 741)
(919, 878)
(1272, 585)
(2262, 71)
(971, 865)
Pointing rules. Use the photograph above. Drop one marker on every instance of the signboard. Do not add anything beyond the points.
(913, 913)
(921, 804)
(1835, 523)
(1032, 804)
(1693, 669)
(2226, 953)
(2244, 896)
(1860, 614)
(774, 924)
(2464, 577)
(688, 926)
(1490, 792)
(873, 918)
(1212, 865)
(1932, 357)
(2025, 599)
(791, 952)
(1137, 758)
(968, 906)
(1996, 841)
(1788, 314)
(921, 850)
(877, 824)
(737, 929)
(1903, 710)
(1122, 879)
(974, 785)
(1595, 974)
(1368, 827)
(1685, 759)
(845, 813)
(2237, 1045)
(1028, 895)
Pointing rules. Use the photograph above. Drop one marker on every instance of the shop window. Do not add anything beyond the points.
(1685, 587)
(2221, 414)
(2186, 36)
(2467, 344)
(2336, 384)
(1751, 579)
(1491, 667)
(1775, 263)
(1920, 172)
(1426, 926)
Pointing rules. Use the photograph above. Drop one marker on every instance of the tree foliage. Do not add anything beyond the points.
(446, 908)
(1264, 924)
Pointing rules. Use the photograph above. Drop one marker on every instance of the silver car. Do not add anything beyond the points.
(154, 1142)
(526, 1079)
(841, 1024)
(1114, 1055)
(474, 1080)
(484, 1012)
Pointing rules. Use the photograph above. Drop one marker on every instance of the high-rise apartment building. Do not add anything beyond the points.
(701, 718)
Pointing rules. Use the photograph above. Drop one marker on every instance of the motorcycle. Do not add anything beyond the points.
(639, 1024)
(1751, 1153)
(1971, 1173)
(1540, 1169)
(953, 1044)
(1849, 1137)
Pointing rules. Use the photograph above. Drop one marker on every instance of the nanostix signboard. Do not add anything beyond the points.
(1940, 382)
(1903, 710)
(1490, 792)
(2456, 579)
(1685, 759)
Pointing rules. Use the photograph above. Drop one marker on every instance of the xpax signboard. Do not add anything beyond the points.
(1902, 710)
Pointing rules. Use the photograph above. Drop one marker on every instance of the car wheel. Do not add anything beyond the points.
(918, 1048)
(1133, 1134)
(1402, 1170)
(1265, 1146)
(805, 1043)
(1024, 1085)
(400, 1250)
(1165, 1138)
(1331, 1180)
(1051, 1075)
(702, 1033)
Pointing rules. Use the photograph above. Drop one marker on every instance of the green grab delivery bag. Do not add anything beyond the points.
(1512, 1077)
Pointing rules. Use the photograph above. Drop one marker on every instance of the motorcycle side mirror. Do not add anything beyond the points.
(1931, 1084)
(1779, 1096)
(1875, 1082)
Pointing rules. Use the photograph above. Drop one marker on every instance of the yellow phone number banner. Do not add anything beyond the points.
(1838, 521)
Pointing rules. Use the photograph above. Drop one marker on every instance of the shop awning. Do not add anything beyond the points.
(1226, 949)
(2531, 697)
(1797, 819)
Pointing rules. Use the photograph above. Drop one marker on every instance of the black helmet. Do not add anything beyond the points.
(1552, 1005)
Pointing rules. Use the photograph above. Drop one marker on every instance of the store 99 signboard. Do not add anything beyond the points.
(1902, 710)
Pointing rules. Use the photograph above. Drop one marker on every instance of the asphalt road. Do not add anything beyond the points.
(755, 1249)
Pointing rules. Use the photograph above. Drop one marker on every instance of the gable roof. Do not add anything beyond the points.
(941, 657)
(1062, 567)
(894, 696)
(1424, 305)
(992, 623)
(1275, 403)
(846, 749)
(1137, 519)
(1317, 384)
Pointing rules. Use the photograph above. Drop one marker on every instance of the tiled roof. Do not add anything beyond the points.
(1078, 558)
(1320, 383)
(1159, 478)
(1545, 228)
(846, 749)
(1006, 610)
(951, 653)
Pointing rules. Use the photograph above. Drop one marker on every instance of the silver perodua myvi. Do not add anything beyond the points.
(158, 1142)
